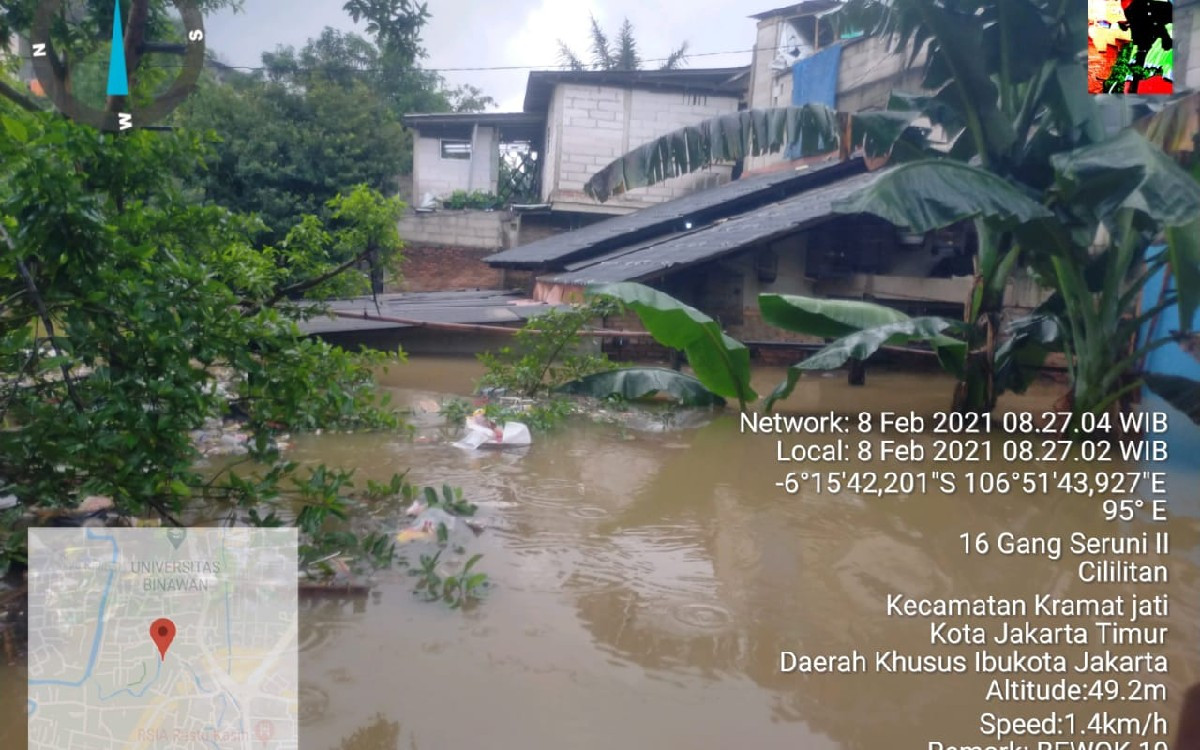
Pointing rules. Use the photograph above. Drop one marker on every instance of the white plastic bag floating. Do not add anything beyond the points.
(425, 526)
(483, 433)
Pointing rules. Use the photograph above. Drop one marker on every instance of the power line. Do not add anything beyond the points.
(555, 66)
(466, 69)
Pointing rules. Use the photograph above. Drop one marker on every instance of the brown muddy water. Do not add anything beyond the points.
(646, 578)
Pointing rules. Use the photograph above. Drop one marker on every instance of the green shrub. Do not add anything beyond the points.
(478, 199)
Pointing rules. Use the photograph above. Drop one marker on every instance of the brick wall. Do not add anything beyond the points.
(464, 228)
(438, 269)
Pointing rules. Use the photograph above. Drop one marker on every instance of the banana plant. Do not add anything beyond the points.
(1004, 86)
(720, 362)
(643, 384)
(860, 329)
(1094, 320)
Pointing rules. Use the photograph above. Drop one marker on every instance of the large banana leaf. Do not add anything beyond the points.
(826, 318)
(993, 64)
(863, 344)
(1017, 30)
(940, 109)
(859, 345)
(720, 362)
(1128, 172)
(935, 193)
(813, 128)
(636, 383)
(1182, 393)
(959, 57)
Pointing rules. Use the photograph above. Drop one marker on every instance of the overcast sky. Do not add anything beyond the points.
(479, 33)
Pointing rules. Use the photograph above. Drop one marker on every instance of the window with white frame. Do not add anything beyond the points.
(456, 149)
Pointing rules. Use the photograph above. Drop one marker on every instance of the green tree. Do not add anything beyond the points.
(320, 119)
(282, 152)
(395, 24)
(618, 54)
(133, 312)
(346, 58)
(122, 299)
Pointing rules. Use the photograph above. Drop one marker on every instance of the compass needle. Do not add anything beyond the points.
(59, 44)
(118, 76)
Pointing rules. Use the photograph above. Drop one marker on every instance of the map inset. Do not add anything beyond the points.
(163, 638)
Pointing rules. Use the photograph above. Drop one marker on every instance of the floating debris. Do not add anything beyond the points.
(425, 526)
(484, 433)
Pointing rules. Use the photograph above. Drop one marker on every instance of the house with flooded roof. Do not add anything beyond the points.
(483, 182)
(717, 238)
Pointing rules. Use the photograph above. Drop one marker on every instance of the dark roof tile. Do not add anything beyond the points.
(700, 208)
(755, 226)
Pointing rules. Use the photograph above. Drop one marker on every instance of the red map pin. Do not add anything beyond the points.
(162, 632)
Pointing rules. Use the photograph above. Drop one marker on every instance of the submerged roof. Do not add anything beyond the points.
(646, 260)
(724, 81)
(479, 306)
(700, 209)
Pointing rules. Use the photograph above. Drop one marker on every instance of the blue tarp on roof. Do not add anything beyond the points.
(814, 81)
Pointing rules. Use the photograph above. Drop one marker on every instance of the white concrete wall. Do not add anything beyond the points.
(1187, 44)
(763, 92)
(590, 126)
(465, 228)
(433, 174)
(554, 134)
(485, 160)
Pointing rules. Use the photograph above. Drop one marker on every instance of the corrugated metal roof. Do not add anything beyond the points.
(711, 242)
(484, 307)
(700, 208)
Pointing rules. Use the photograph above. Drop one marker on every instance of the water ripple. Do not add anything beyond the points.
(702, 616)
(314, 704)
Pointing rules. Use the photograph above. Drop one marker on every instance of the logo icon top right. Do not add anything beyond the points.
(1131, 47)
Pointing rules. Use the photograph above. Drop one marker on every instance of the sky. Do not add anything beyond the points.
(499, 33)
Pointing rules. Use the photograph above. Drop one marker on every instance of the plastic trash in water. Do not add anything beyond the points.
(483, 433)
(425, 526)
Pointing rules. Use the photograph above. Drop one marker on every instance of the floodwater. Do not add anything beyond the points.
(646, 577)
